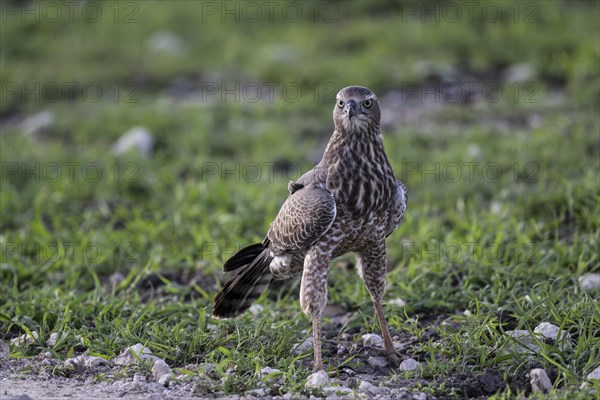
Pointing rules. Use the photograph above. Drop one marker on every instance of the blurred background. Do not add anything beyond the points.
(143, 142)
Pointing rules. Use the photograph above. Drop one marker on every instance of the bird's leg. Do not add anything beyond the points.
(390, 351)
(317, 343)
(372, 267)
(313, 295)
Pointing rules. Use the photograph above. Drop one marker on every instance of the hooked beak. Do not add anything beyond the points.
(351, 108)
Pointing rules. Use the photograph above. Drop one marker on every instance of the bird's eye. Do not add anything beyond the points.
(368, 103)
(340, 103)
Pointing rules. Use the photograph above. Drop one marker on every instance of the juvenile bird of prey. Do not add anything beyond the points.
(350, 202)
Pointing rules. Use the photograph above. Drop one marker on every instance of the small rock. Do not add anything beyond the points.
(304, 346)
(398, 302)
(54, 336)
(22, 397)
(160, 369)
(368, 388)
(378, 362)
(341, 349)
(25, 338)
(74, 361)
(551, 331)
(166, 42)
(589, 282)
(139, 138)
(539, 380)
(256, 309)
(37, 122)
(165, 380)
(268, 371)
(410, 364)
(4, 351)
(525, 342)
(331, 391)
(521, 72)
(91, 362)
(594, 375)
(372, 340)
(257, 392)
(317, 379)
(419, 396)
(131, 354)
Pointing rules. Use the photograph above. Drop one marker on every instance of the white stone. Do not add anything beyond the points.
(525, 342)
(166, 42)
(74, 361)
(160, 369)
(398, 302)
(136, 138)
(128, 356)
(372, 340)
(589, 282)
(25, 338)
(54, 336)
(520, 72)
(4, 351)
(410, 364)
(595, 374)
(368, 388)
(37, 122)
(378, 362)
(165, 380)
(256, 309)
(337, 391)
(539, 380)
(551, 331)
(304, 346)
(317, 379)
(91, 362)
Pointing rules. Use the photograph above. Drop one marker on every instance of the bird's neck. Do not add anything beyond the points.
(354, 146)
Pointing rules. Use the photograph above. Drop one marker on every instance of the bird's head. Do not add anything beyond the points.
(356, 110)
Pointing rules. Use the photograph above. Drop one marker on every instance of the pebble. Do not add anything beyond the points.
(138, 138)
(334, 391)
(378, 362)
(594, 375)
(161, 372)
(127, 357)
(539, 380)
(166, 42)
(37, 122)
(54, 336)
(256, 309)
(4, 351)
(304, 346)
(398, 302)
(267, 371)
(317, 379)
(25, 338)
(368, 388)
(551, 331)
(410, 364)
(372, 340)
(91, 361)
(525, 342)
(590, 282)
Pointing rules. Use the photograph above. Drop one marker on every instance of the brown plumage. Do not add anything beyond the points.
(349, 202)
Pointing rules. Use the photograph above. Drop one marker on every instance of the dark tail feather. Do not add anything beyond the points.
(246, 286)
(243, 257)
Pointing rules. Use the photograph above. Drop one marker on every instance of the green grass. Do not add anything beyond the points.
(516, 235)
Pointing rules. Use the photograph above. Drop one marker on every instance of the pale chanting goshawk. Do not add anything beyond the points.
(350, 202)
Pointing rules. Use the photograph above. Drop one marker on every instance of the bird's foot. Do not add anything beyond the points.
(394, 357)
